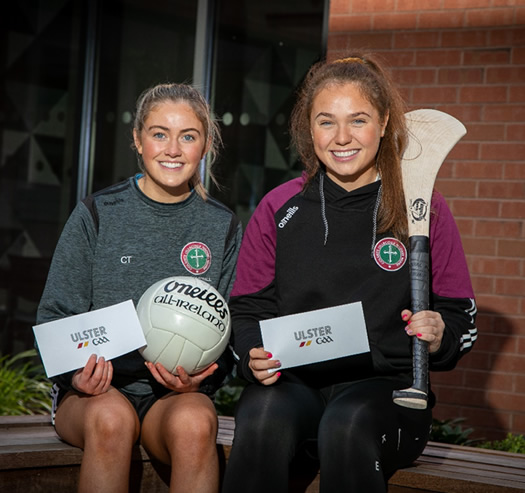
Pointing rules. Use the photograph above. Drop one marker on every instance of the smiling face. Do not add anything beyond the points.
(346, 132)
(172, 142)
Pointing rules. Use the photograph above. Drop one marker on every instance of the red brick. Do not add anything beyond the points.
(434, 94)
(404, 59)
(517, 94)
(475, 208)
(498, 228)
(438, 58)
(494, 266)
(503, 151)
(465, 37)
(513, 209)
(521, 346)
(466, 4)
(486, 131)
(411, 39)
(505, 75)
(518, 55)
(419, 5)
(514, 170)
(504, 113)
(479, 169)
(394, 20)
(519, 383)
(336, 42)
(345, 23)
(445, 20)
(501, 381)
(506, 401)
(511, 248)
(483, 417)
(520, 16)
(483, 285)
(447, 378)
(464, 150)
(464, 113)
(511, 287)
(371, 6)
(414, 76)
(371, 40)
(518, 424)
(513, 36)
(510, 325)
(456, 188)
(487, 56)
(489, 17)
(460, 75)
(512, 363)
(465, 226)
(483, 94)
(339, 7)
(499, 304)
(502, 189)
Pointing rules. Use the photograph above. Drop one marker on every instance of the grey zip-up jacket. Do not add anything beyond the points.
(118, 242)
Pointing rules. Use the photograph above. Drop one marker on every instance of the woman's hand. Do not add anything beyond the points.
(260, 363)
(95, 377)
(182, 382)
(425, 325)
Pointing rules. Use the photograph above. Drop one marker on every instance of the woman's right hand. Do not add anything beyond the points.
(95, 377)
(260, 362)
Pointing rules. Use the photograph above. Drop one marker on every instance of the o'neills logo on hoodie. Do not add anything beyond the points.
(390, 254)
(290, 212)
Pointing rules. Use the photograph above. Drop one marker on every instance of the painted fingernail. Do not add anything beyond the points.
(278, 374)
(419, 335)
(277, 364)
(405, 316)
(270, 355)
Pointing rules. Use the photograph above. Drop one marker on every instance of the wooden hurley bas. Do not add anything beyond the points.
(432, 135)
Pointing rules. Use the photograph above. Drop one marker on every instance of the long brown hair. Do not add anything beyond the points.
(376, 85)
(185, 93)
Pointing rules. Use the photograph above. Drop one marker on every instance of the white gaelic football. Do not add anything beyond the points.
(185, 321)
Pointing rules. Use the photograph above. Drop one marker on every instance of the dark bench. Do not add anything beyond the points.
(33, 458)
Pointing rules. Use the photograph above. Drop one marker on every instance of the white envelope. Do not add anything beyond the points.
(318, 335)
(66, 344)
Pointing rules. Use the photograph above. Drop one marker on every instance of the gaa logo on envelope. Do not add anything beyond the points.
(318, 335)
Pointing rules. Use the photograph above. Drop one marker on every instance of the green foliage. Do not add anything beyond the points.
(511, 443)
(24, 387)
(226, 397)
(451, 431)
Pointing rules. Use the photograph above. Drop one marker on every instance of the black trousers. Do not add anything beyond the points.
(352, 431)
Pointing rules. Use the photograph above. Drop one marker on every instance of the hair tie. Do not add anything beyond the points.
(350, 59)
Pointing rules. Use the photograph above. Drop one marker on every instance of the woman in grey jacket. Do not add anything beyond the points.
(116, 243)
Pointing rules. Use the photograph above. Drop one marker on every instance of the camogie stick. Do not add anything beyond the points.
(432, 135)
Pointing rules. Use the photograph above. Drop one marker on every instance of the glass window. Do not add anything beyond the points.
(262, 52)
(140, 44)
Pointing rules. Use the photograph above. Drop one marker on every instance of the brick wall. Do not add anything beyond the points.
(467, 58)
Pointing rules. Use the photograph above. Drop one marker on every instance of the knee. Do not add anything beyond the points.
(353, 426)
(196, 426)
(111, 424)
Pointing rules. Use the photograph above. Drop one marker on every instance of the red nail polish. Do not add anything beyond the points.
(270, 355)
(419, 335)
(405, 316)
(278, 374)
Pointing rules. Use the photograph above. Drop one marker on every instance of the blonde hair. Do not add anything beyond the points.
(375, 84)
(152, 97)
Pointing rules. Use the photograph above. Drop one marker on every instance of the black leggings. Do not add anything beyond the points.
(362, 436)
